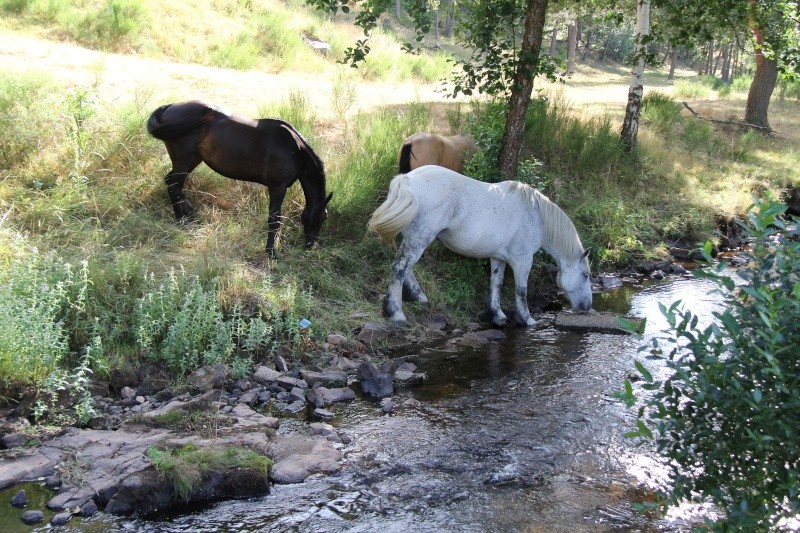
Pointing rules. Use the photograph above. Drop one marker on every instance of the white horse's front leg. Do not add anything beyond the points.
(407, 257)
(492, 312)
(521, 295)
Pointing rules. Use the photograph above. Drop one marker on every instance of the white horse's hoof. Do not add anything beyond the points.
(530, 322)
(398, 317)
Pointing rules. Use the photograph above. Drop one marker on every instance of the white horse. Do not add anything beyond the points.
(507, 222)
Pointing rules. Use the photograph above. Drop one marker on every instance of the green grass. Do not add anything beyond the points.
(186, 467)
(81, 184)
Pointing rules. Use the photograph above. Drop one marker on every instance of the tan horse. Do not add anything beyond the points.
(432, 149)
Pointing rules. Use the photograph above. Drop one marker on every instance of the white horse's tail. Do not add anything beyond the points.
(397, 212)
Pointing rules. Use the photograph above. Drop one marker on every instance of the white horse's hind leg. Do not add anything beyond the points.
(521, 295)
(412, 292)
(407, 256)
(492, 312)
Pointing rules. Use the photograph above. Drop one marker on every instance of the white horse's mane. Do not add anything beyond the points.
(558, 229)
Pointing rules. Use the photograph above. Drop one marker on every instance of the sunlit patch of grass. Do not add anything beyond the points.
(691, 89)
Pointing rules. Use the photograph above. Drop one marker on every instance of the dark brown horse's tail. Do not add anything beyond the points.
(405, 158)
(186, 125)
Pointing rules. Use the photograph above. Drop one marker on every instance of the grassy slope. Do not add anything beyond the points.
(93, 190)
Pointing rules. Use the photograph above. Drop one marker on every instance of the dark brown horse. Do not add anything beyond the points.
(266, 151)
(431, 149)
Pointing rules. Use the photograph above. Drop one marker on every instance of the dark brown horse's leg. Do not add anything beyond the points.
(184, 160)
(276, 195)
(184, 212)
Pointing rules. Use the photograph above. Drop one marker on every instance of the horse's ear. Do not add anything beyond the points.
(328, 199)
(586, 253)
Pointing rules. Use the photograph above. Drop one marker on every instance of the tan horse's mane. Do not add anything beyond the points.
(559, 231)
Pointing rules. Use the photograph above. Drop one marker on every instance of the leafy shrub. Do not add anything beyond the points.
(40, 297)
(661, 111)
(179, 323)
(725, 418)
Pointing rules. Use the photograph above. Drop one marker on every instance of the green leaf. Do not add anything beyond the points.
(643, 429)
(643, 371)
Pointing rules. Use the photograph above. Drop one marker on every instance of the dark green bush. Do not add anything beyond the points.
(727, 419)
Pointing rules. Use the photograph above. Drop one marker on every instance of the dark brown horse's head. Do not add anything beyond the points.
(313, 217)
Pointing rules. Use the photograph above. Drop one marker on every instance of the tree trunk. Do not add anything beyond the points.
(710, 58)
(630, 126)
(523, 87)
(397, 9)
(764, 81)
(448, 21)
(725, 75)
(436, 25)
(673, 60)
(554, 41)
(572, 47)
(586, 48)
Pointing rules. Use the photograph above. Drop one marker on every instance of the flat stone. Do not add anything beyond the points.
(328, 378)
(324, 414)
(373, 332)
(13, 440)
(60, 519)
(32, 517)
(266, 375)
(596, 322)
(288, 383)
(297, 458)
(322, 396)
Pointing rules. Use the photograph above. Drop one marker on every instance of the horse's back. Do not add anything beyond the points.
(471, 217)
(425, 148)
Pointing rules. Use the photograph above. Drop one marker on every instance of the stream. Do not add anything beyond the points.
(518, 435)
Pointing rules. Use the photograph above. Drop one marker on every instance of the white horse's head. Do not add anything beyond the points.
(574, 278)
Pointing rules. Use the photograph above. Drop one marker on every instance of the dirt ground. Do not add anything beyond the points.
(122, 78)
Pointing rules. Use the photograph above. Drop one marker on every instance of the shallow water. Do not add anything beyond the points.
(520, 435)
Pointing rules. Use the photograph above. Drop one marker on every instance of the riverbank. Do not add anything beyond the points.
(115, 464)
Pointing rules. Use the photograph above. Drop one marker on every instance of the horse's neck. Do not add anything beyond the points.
(559, 237)
(313, 184)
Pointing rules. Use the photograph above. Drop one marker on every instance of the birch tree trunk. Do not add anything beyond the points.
(630, 126)
(522, 88)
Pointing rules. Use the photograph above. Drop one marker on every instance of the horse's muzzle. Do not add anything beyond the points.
(582, 306)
